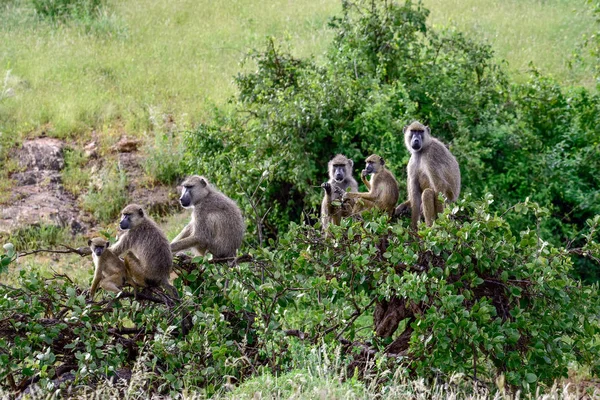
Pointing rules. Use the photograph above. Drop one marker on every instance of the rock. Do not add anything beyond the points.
(126, 145)
(39, 197)
(156, 199)
(41, 154)
(91, 150)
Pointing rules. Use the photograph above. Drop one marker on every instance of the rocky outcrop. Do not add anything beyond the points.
(38, 196)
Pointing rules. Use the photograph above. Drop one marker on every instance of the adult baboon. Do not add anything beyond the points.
(432, 169)
(383, 188)
(149, 258)
(340, 179)
(110, 271)
(217, 225)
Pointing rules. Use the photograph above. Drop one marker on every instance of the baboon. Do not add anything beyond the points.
(432, 169)
(149, 258)
(382, 188)
(110, 271)
(217, 225)
(340, 179)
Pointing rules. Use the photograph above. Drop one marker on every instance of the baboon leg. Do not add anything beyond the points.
(184, 244)
(112, 283)
(428, 205)
(362, 204)
(135, 271)
(187, 231)
(415, 212)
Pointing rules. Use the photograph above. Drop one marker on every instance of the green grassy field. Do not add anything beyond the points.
(140, 60)
(143, 61)
(543, 32)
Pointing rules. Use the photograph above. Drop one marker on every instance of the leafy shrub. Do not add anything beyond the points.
(465, 295)
(386, 67)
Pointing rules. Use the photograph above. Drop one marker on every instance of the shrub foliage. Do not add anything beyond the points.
(386, 67)
(486, 291)
(463, 296)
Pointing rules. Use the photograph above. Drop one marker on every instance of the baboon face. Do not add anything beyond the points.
(131, 216)
(98, 245)
(415, 136)
(194, 187)
(374, 164)
(340, 167)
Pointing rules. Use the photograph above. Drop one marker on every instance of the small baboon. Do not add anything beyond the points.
(110, 271)
(149, 258)
(217, 225)
(340, 179)
(382, 188)
(432, 169)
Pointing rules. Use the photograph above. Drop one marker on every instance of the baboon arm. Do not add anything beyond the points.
(119, 247)
(366, 196)
(366, 182)
(185, 243)
(185, 232)
(95, 282)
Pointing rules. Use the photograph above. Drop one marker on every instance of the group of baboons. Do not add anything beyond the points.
(217, 225)
(432, 169)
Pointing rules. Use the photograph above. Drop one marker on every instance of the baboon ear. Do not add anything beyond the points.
(427, 130)
(351, 162)
(141, 212)
(203, 183)
(89, 242)
(404, 129)
(382, 160)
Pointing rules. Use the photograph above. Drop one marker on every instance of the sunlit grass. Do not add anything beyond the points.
(543, 32)
(176, 57)
(179, 58)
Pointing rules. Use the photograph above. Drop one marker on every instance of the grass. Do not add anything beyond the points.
(543, 32)
(139, 58)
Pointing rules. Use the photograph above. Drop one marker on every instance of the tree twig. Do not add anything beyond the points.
(82, 251)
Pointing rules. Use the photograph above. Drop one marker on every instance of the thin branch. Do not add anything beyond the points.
(82, 251)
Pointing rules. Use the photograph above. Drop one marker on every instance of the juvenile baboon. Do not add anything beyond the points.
(382, 188)
(432, 169)
(217, 225)
(110, 272)
(340, 179)
(149, 258)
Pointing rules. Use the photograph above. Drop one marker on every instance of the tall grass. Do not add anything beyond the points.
(179, 57)
(176, 57)
(543, 32)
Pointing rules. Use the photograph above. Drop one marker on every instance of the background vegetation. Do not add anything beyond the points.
(490, 293)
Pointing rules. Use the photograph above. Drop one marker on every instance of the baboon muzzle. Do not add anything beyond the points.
(416, 144)
(185, 199)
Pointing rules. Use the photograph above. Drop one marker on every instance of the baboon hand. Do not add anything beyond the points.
(364, 172)
(327, 187)
(402, 210)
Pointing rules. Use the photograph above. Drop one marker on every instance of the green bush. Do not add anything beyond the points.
(386, 67)
(470, 297)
